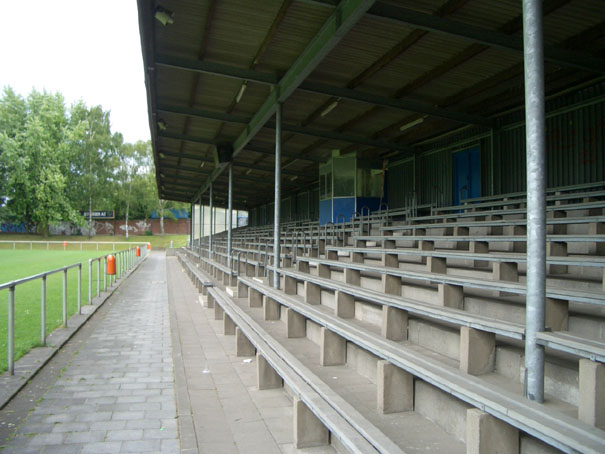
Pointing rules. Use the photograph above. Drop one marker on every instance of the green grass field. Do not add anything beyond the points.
(20, 263)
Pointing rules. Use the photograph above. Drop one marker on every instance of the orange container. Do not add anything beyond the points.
(149, 246)
(111, 265)
(64, 244)
(138, 251)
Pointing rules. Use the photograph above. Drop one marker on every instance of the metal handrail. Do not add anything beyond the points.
(366, 209)
(125, 260)
(384, 213)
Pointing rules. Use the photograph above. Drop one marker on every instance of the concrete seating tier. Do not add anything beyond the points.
(396, 354)
(498, 402)
(594, 208)
(555, 190)
(496, 225)
(519, 202)
(317, 408)
(392, 278)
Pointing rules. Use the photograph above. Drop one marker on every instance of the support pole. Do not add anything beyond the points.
(191, 226)
(229, 225)
(536, 197)
(276, 218)
(202, 221)
(211, 226)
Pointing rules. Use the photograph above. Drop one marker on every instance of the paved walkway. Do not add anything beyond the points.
(151, 371)
(220, 407)
(117, 394)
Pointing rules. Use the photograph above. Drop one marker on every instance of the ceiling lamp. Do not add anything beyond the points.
(241, 91)
(162, 155)
(164, 16)
(162, 125)
(330, 108)
(411, 124)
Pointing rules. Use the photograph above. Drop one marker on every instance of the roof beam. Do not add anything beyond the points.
(485, 36)
(344, 17)
(340, 137)
(203, 140)
(187, 138)
(331, 135)
(328, 90)
(429, 22)
(235, 164)
(216, 69)
(399, 104)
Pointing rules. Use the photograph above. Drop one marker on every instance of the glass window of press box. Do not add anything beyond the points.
(352, 177)
(325, 181)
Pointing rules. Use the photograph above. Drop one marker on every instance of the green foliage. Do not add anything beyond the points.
(55, 162)
(35, 157)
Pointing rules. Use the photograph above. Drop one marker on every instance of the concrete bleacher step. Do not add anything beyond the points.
(407, 429)
(560, 430)
(304, 389)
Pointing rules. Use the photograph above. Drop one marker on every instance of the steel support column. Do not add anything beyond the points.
(192, 226)
(276, 219)
(230, 209)
(211, 225)
(199, 250)
(536, 197)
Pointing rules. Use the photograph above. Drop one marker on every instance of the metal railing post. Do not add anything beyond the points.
(65, 298)
(80, 288)
(43, 312)
(99, 278)
(89, 281)
(11, 330)
(104, 272)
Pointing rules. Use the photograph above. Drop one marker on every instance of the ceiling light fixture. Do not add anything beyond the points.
(241, 91)
(162, 125)
(294, 178)
(330, 108)
(162, 155)
(162, 175)
(248, 172)
(202, 164)
(164, 16)
(411, 124)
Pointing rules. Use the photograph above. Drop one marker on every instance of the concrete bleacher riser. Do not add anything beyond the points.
(485, 286)
(314, 330)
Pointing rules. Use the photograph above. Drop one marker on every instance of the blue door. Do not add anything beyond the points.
(467, 174)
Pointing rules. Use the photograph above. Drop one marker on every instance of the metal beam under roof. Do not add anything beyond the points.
(209, 161)
(346, 14)
(432, 23)
(331, 135)
(328, 90)
(563, 57)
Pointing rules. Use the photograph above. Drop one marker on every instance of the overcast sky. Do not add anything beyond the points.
(85, 49)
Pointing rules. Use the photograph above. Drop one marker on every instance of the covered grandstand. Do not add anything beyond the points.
(425, 186)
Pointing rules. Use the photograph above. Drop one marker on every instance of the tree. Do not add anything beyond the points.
(134, 164)
(93, 151)
(34, 159)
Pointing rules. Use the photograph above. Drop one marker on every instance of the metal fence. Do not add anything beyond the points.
(125, 260)
(98, 245)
